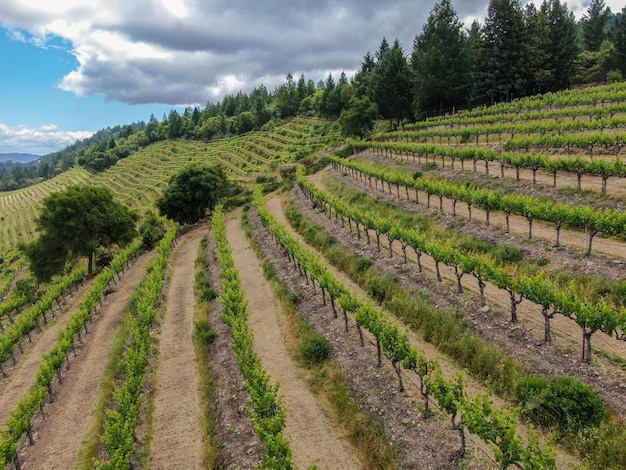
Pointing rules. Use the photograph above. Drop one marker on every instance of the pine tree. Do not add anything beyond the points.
(564, 48)
(538, 46)
(391, 83)
(440, 62)
(594, 22)
(363, 78)
(501, 68)
(618, 39)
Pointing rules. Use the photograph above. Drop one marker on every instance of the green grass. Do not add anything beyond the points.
(203, 338)
(89, 447)
(602, 446)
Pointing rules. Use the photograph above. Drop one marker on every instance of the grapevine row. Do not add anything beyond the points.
(30, 318)
(122, 416)
(19, 421)
(592, 96)
(267, 410)
(590, 317)
(592, 220)
(557, 115)
(10, 273)
(588, 140)
(577, 165)
(495, 427)
(533, 127)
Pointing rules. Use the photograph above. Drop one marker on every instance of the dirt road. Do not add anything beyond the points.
(70, 417)
(313, 439)
(177, 420)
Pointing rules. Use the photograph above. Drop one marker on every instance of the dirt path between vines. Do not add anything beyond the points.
(609, 246)
(313, 439)
(448, 367)
(177, 421)
(524, 341)
(22, 376)
(71, 417)
(615, 186)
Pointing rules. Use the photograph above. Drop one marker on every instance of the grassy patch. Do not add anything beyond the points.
(203, 338)
(89, 447)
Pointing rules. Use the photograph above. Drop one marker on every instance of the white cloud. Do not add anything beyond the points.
(39, 141)
(177, 52)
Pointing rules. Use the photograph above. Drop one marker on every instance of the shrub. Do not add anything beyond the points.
(507, 254)
(361, 265)
(204, 333)
(26, 287)
(208, 294)
(314, 349)
(617, 292)
(563, 402)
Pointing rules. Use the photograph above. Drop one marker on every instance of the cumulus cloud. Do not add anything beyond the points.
(39, 141)
(179, 52)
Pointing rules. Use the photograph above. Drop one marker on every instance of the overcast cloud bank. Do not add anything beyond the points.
(189, 52)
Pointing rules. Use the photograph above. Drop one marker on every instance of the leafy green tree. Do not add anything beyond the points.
(75, 223)
(440, 62)
(47, 257)
(151, 230)
(594, 23)
(192, 192)
(593, 67)
(246, 122)
(358, 119)
(391, 83)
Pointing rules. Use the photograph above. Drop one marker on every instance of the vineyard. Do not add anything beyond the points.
(447, 295)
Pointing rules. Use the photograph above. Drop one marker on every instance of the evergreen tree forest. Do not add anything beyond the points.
(517, 51)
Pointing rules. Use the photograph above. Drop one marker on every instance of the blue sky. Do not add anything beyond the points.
(71, 67)
(40, 116)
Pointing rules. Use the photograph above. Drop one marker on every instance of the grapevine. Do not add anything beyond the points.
(394, 344)
(611, 319)
(20, 418)
(266, 409)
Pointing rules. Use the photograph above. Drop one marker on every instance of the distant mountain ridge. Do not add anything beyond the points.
(19, 157)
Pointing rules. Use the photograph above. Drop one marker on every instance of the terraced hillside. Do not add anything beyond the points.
(415, 304)
(140, 178)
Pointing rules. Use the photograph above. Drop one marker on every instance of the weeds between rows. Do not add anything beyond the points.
(324, 377)
(602, 446)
